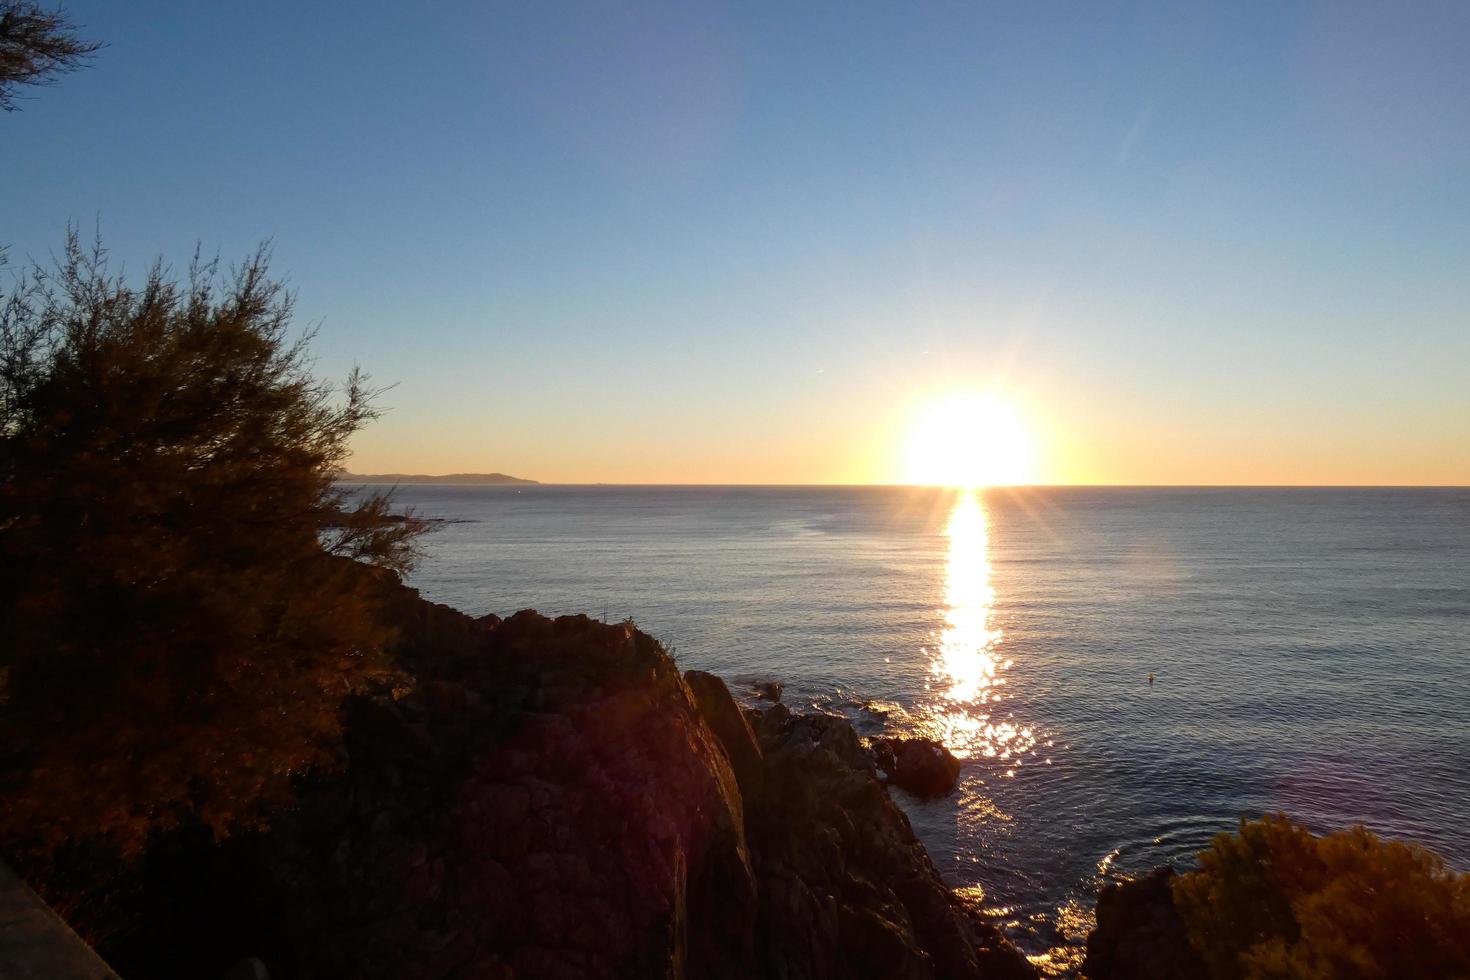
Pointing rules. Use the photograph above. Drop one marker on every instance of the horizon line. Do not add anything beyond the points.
(940, 486)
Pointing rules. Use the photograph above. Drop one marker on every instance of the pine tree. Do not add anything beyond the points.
(36, 45)
(179, 617)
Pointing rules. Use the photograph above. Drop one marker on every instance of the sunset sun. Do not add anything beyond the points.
(972, 440)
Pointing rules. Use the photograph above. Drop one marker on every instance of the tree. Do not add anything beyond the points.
(179, 617)
(1273, 902)
(35, 46)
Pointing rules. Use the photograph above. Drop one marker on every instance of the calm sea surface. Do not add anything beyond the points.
(1310, 649)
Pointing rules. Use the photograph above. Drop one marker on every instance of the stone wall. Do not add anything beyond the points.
(35, 944)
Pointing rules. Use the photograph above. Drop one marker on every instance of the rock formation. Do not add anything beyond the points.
(551, 798)
(1139, 934)
(921, 766)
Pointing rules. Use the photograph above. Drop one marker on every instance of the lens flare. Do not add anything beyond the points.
(969, 441)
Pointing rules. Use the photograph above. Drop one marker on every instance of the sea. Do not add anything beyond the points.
(1125, 672)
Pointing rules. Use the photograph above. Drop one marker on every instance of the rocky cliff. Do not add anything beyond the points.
(1140, 934)
(552, 798)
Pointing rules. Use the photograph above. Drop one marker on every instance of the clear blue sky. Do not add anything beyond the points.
(1192, 242)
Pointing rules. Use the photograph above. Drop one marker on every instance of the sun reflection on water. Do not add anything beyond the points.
(968, 669)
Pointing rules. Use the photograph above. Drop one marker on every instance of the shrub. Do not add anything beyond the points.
(1274, 901)
(179, 620)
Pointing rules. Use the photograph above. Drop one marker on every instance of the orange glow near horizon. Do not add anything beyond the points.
(922, 430)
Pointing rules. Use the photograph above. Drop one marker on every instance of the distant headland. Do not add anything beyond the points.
(448, 479)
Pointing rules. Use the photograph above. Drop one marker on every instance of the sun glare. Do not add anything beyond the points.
(969, 441)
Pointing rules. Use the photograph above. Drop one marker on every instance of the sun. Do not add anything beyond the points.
(969, 440)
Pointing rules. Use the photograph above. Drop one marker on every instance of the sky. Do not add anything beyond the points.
(1183, 243)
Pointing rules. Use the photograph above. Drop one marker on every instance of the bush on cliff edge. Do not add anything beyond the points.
(1274, 901)
(178, 621)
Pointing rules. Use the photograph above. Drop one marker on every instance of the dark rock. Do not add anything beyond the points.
(1140, 935)
(385, 732)
(247, 969)
(846, 889)
(724, 716)
(921, 766)
(774, 721)
(770, 690)
(553, 799)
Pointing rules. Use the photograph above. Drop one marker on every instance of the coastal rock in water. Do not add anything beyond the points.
(846, 889)
(1139, 934)
(770, 690)
(921, 766)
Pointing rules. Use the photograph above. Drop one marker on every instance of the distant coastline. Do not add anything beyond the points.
(448, 479)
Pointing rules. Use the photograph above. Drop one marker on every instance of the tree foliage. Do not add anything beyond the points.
(1275, 902)
(36, 45)
(179, 617)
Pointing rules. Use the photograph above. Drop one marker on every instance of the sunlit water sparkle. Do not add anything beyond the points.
(1311, 649)
(968, 670)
